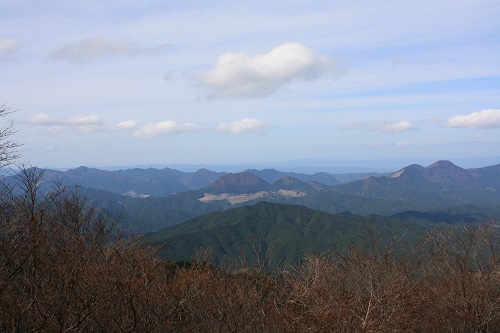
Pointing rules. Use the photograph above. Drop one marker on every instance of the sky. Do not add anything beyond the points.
(124, 83)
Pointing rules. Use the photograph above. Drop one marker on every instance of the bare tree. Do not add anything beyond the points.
(8, 146)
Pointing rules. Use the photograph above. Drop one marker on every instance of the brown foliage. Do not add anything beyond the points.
(451, 283)
(62, 268)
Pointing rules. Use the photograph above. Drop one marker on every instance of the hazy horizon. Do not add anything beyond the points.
(108, 83)
(301, 166)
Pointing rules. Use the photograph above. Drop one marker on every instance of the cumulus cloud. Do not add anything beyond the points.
(165, 128)
(78, 120)
(99, 47)
(127, 124)
(246, 125)
(381, 126)
(239, 75)
(87, 124)
(81, 124)
(488, 118)
(8, 48)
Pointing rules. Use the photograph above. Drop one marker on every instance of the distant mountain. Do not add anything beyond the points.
(201, 178)
(350, 177)
(272, 175)
(144, 214)
(439, 185)
(165, 182)
(135, 182)
(152, 199)
(414, 188)
(453, 215)
(447, 173)
(273, 233)
(242, 182)
(291, 183)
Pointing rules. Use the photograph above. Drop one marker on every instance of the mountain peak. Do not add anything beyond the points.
(239, 182)
(446, 172)
(442, 171)
(204, 171)
(411, 170)
(240, 178)
(288, 180)
(443, 164)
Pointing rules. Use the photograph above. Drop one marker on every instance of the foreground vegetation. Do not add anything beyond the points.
(62, 268)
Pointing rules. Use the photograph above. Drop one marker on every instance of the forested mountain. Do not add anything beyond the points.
(165, 182)
(272, 175)
(135, 182)
(146, 201)
(276, 234)
(238, 183)
(439, 185)
(436, 192)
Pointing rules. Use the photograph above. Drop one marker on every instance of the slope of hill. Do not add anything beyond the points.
(275, 233)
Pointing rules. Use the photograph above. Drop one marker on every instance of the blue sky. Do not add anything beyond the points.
(224, 82)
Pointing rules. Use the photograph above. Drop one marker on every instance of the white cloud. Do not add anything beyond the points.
(488, 118)
(8, 48)
(246, 125)
(87, 124)
(382, 126)
(165, 128)
(238, 75)
(99, 47)
(127, 124)
(78, 120)
(80, 124)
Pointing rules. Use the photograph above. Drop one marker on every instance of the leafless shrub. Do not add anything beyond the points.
(8, 145)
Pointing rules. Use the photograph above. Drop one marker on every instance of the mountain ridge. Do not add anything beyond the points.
(278, 233)
(241, 182)
(435, 188)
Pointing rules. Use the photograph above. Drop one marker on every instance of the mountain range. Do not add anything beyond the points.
(153, 199)
(135, 182)
(165, 182)
(275, 217)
